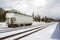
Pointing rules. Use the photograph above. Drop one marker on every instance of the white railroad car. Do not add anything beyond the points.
(18, 19)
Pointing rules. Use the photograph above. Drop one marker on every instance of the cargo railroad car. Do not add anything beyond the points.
(14, 19)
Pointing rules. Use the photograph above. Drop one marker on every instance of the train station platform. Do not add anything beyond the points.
(50, 33)
(47, 31)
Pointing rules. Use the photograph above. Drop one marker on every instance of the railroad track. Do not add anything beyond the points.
(23, 34)
(14, 29)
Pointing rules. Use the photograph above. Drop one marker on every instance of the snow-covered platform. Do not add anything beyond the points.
(50, 33)
(41, 24)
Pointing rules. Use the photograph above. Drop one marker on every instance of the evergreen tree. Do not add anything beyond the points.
(2, 15)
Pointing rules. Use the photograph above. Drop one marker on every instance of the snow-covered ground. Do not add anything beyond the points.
(4, 27)
(50, 33)
(9, 31)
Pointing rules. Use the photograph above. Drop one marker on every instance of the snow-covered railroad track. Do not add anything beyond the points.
(24, 33)
(6, 29)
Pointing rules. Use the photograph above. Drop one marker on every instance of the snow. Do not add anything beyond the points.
(9, 31)
(14, 37)
(3, 25)
(49, 33)
(14, 32)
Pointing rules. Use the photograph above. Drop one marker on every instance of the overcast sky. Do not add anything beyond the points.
(49, 8)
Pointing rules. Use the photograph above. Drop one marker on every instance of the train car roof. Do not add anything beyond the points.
(17, 12)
